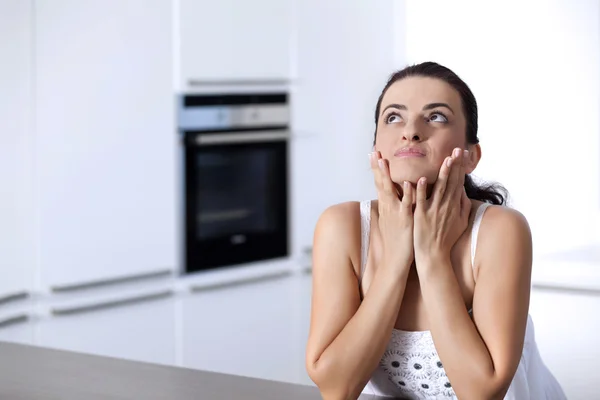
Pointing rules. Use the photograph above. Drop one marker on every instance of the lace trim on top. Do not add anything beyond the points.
(412, 364)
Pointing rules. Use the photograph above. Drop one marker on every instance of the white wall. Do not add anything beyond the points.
(16, 140)
(535, 70)
(344, 50)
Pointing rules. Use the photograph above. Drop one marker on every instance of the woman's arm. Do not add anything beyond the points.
(481, 356)
(347, 338)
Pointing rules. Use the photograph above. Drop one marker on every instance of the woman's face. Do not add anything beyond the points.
(420, 122)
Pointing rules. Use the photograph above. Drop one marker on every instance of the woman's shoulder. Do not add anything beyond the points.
(499, 218)
(503, 228)
(340, 217)
(338, 229)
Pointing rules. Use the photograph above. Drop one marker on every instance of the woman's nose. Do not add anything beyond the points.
(411, 137)
(412, 132)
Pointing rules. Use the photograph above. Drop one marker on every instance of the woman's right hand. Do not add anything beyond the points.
(395, 216)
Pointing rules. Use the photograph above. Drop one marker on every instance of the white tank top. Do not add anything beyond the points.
(410, 367)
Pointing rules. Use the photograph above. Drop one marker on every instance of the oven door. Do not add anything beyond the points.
(236, 198)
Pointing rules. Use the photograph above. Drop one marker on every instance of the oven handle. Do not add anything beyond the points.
(254, 137)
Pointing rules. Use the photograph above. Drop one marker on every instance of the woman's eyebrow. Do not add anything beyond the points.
(429, 106)
(394, 105)
(436, 105)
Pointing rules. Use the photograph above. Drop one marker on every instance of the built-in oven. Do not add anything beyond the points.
(235, 152)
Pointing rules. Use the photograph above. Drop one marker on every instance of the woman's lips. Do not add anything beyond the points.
(409, 152)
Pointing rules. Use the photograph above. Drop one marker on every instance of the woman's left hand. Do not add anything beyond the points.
(440, 220)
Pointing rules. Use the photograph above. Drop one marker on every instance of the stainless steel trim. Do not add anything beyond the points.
(240, 282)
(254, 137)
(566, 289)
(230, 117)
(12, 297)
(237, 82)
(257, 115)
(17, 319)
(109, 282)
(112, 303)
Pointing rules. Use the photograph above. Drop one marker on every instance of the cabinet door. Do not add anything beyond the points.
(232, 40)
(566, 327)
(309, 176)
(244, 330)
(16, 328)
(302, 305)
(106, 139)
(139, 327)
(343, 56)
(17, 250)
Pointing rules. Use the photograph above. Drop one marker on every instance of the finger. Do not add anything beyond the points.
(439, 188)
(463, 168)
(388, 191)
(460, 184)
(376, 171)
(373, 162)
(378, 175)
(421, 193)
(454, 175)
(407, 197)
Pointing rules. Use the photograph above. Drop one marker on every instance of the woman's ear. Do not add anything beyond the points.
(474, 157)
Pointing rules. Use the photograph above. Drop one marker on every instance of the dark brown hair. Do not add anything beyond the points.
(490, 192)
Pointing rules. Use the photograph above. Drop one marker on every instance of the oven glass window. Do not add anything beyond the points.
(238, 190)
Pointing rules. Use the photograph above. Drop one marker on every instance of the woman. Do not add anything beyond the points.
(424, 292)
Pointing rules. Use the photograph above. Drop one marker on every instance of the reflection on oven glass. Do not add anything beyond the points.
(222, 216)
(236, 192)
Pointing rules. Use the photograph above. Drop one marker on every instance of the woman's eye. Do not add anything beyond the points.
(393, 118)
(438, 117)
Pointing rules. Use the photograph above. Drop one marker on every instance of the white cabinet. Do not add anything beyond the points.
(106, 140)
(308, 177)
(566, 327)
(21, 333)
(17, 249)
(344, 55)
(302, 305)
(16, 328)
(243, 330)
(342, 67)
(234, 41)
(140, 328)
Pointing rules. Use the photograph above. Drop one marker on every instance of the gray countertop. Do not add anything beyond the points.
(36, 373)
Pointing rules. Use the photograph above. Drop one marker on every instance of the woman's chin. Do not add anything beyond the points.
(413, 178)
(400, 179)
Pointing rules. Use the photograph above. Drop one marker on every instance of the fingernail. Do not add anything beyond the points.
(370, 156)
(449, 162)
(422, 181)
(380, 162)
(405, 185)
(456, 152)
(466, 153)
